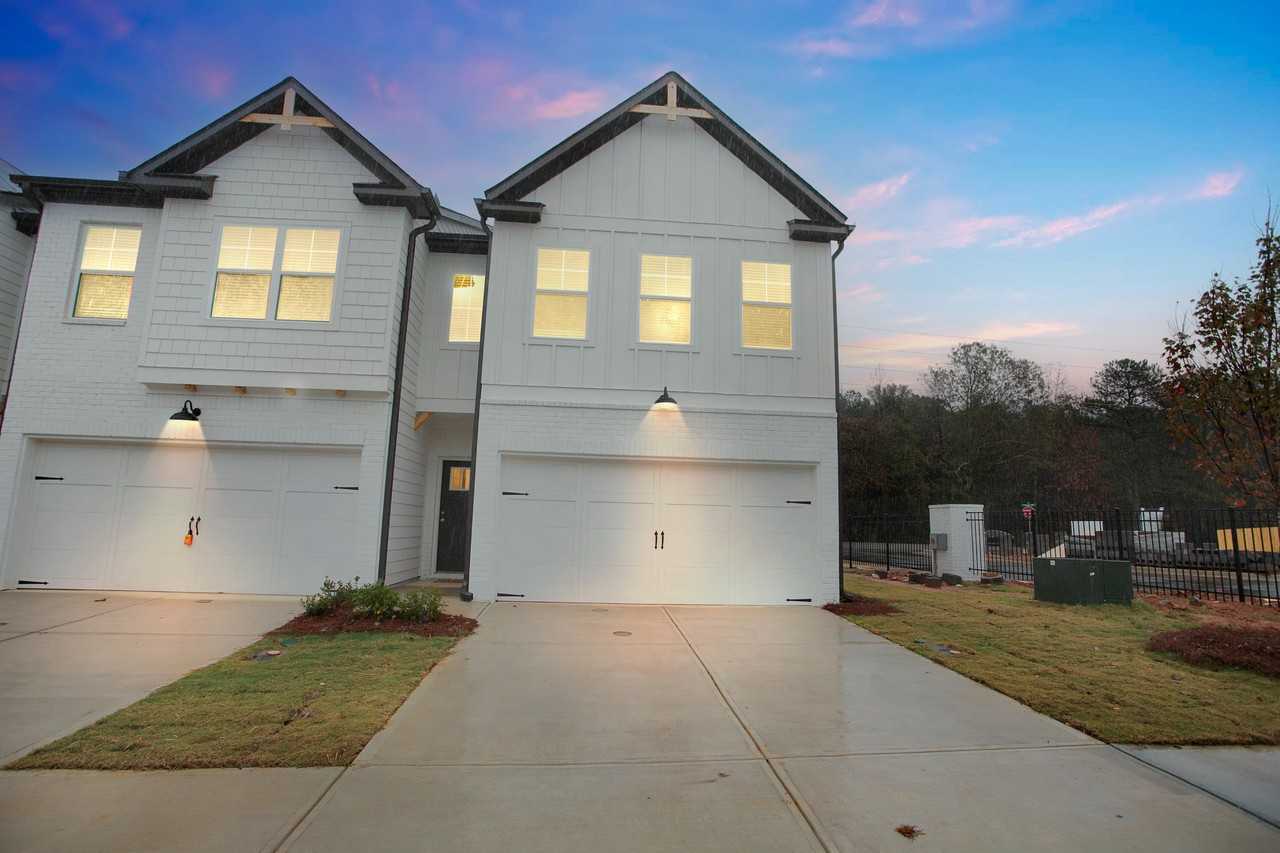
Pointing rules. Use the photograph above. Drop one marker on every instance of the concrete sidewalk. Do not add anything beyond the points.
(69, 658)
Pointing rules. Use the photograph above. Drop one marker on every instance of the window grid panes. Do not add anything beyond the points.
(254, 266)
(666, 291)
(104, 283)
(466, 308)
(560, 297)
(766, 305)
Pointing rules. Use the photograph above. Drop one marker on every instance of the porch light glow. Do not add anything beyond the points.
(665, 403)
(186, 413)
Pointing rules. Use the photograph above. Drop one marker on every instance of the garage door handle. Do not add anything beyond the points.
(664, 540)
(197, 525)
(41, 477)
(655, 540)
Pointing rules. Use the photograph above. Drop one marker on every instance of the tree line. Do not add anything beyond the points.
(1199, 427)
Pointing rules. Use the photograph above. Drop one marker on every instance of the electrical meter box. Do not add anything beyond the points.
(1073, 581)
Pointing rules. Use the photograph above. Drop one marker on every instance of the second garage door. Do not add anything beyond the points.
(113, 516)
(645, 532)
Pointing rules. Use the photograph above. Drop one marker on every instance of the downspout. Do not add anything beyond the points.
(466, 594)
(835, 331)
(393, 431)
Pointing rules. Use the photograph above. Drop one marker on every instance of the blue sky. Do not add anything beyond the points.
(1060, 177)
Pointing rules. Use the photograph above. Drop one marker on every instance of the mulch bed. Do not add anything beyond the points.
(1255, 649)
(343, 621)
(862, 605)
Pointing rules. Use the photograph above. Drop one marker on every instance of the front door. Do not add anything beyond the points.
(451, 539)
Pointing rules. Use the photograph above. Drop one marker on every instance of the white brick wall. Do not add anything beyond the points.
(279, 177)
(76, 379)
(629, 432)
(15, 260)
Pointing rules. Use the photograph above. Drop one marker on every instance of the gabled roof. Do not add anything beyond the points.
(7, 169)
(173, 172)
(722, 128)
(457, 233)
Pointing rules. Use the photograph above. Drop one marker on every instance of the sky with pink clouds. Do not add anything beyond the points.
(1059, 177)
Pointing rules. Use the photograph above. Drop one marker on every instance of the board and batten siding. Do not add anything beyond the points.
(447, 381)
(300, 176)
(663, 188)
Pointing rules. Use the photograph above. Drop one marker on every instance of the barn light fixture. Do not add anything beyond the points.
(186, 413)
(665, 403)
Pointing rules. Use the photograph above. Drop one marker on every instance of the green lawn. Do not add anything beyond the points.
(1086, 666)
(316, 704)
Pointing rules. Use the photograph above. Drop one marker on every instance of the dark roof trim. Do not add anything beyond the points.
(817, 232)
(457, 244)
(26, 221)
(722, 128)
(209, 142)
(174, 186)
(511, 211)
(43, 190)
(421, 203)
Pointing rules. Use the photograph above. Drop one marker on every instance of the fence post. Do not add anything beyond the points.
(1235, 553)
(1119, 534)
(884, 534)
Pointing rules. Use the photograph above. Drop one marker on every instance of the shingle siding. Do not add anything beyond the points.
(15, 261)
(284, 177)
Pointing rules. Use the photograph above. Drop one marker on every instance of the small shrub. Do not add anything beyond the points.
(332, 595)
(375, 601)
(420, 605)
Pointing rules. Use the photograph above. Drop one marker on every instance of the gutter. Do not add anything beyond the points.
(397, 393)
(835, 332)
(481, 208)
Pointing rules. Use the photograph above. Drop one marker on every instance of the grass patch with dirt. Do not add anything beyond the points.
(316, 703)
(1086, 666)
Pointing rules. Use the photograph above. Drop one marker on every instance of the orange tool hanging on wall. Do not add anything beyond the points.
(189, 538)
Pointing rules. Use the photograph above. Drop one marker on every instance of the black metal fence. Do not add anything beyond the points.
(886, 542)
(1225, 554)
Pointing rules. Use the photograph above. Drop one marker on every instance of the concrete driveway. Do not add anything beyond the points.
(69, 658)
(565, 727)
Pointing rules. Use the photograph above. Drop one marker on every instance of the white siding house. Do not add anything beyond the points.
(17, 227)
(258, 268)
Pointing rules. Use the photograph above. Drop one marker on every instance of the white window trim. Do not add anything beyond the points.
(693, 327)
(74, 289)
(790, 351)
(273, 286)
(448, 313)
(530, 337)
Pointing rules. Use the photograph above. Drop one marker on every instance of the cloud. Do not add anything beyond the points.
(1218, 185)
(879, 192)
(213, 81)
(961, 233)
(905, 260)
(571, 104)
(1066, 227)
(869, 236)
(884, 27)
(995, 332)
(863, 292)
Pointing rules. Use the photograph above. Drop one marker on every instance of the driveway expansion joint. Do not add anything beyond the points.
(1198, 787)
(780, 777)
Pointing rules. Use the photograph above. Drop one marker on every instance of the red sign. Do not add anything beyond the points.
(1028, 510)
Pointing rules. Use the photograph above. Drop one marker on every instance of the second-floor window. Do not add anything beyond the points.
(766, 305)
(666, 299)
(465, 309)
(560, 296)
(104, 283)
(260, 277)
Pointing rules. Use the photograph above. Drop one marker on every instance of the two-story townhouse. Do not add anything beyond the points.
(646, 317)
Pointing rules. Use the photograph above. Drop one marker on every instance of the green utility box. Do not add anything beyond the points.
(1071, 581)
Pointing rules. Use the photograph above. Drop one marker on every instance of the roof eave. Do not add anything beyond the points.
(528, 212)
(808, 231)
(420, 203)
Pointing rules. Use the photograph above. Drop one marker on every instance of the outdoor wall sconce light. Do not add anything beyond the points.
(665, 403)
(186, 413)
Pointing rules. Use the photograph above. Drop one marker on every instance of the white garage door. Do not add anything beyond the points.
(646, 532)
(113, 516)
